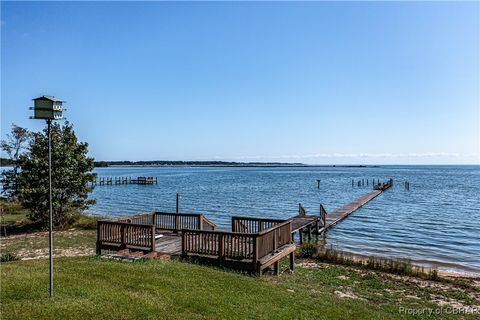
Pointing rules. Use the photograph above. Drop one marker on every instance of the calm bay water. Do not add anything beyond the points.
(436, 222)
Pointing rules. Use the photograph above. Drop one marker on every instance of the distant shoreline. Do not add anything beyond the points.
(241, 166)
(166, 163)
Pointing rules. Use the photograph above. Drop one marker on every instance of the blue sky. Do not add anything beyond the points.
(312, 82)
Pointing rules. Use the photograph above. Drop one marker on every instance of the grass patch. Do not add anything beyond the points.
(85, 222)
(12, 213)
(14, 220)
(65, 243)
(90, 287)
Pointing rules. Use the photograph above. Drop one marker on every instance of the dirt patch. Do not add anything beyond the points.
(43, 253)
(309, 265)
(35, 245)
(347, 295)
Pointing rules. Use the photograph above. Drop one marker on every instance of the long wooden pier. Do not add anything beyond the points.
(337, 215)
(303, 223)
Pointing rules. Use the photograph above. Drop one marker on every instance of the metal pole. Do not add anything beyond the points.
(50, 222)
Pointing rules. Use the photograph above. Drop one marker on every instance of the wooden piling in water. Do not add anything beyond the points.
(177, 206)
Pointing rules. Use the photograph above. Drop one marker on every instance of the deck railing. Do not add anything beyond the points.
(218, 243)
(236, 245)
(122, 235)
(207, 224)
(176, 222)
(142, 218)
(253, 225)
(323, 215)
(171, 221)
(268, 241)
(139, 231)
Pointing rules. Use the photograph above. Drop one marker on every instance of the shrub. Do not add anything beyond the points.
(308, 250)
(7, 257)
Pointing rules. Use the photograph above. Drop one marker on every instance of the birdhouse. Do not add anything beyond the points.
(47, 107)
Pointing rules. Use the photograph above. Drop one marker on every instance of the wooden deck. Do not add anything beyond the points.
(169, 243)
(253, 244)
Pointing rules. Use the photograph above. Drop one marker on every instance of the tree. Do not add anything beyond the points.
(14, 146)
(71, 174)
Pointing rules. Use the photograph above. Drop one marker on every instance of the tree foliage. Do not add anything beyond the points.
(14, 146)
(71, 174)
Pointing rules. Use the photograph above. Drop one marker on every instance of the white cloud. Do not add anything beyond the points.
(360, 158)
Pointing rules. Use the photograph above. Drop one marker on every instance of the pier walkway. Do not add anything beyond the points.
(308, 224)
(341, 213)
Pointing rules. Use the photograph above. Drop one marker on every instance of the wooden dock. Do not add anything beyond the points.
(341, 213)
(309, 224)
(124, 180)
(252, 244)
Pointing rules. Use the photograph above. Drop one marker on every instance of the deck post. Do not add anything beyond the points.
(200, 222)
(255, 249)
(123, 235)
(184, 243)
(153, 219)
(309, 232)
(98, 250)
(275, 242)
(276, 269)
(292, 261)
(153, 237)
(300, 234)
(221, 248)
(177, 222)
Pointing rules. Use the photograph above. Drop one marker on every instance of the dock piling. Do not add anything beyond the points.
(177, 206)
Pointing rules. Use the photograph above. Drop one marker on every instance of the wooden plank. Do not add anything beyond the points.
(268, 260)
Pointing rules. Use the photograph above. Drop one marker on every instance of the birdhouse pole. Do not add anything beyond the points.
(49, 108)
(50, 214)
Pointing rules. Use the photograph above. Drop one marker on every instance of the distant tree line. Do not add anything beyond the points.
(4, 162)
(192, 163)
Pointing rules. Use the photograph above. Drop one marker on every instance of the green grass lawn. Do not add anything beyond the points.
(94, 288)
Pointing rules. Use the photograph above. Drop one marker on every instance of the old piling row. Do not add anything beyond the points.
(364, 182)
